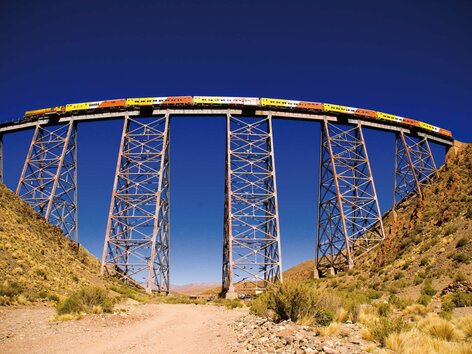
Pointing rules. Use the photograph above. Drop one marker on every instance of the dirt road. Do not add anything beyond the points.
(147, 328)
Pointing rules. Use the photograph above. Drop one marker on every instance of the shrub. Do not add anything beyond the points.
(384, 327)
(462, 242)
(424, 262)
(424, 300)
(450, 230)
(295, 301)
(460, 277)
(384, 309)
(85, 300)
(428, 289)
(10, 289)
(448, 306)
(459, 257)
(461, 299)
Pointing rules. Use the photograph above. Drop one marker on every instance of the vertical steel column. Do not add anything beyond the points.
(251, 255)
(414, 166)
(349, 219)
(137, 237)
(49, 178)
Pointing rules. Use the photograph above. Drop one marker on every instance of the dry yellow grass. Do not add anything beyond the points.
(331, 330)
(415, 341)
(465, 325)
(440, 328)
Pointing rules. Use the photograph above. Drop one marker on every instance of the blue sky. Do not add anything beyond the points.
(409, 58)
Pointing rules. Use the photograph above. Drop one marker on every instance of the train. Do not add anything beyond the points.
(124, 104)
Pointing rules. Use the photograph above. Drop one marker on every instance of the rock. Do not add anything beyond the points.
(330, 350)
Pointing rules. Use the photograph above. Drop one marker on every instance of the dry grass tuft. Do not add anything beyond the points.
(415, 341)
(415, 309)
(331, 330)
(440, 328)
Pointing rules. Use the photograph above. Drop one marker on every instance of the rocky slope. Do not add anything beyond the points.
(425, 238)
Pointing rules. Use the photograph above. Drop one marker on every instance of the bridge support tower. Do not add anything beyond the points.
(48, 181)
(137, 236)
(414, 166)
(251, 254)
(349, 219)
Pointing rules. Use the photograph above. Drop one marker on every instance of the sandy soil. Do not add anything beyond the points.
(149, 328)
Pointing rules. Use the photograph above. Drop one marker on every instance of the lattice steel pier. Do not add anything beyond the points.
(48, 181)
(251, 256)
(137, 236)
(349, 219)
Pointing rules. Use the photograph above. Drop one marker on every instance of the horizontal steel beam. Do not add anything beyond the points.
(378, 126)
(436, 139)
(320, 117)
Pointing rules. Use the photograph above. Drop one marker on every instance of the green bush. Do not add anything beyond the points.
(428, 289)
(11, 289)
(448, 306)
(382, 328)
(384, 309)
(461, 299)
(462, 242)
(85, 300)
(424, 300)
(459, 257)
(295, 301)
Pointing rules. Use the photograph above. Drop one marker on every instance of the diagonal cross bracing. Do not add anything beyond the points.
(137, 236)
(349, 219)
(414, 166)
(251, 255)
(48, 181)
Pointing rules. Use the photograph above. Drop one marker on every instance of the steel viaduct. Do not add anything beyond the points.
(138, 231)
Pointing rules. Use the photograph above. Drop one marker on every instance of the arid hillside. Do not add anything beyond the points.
(36, 260)
(429, 238)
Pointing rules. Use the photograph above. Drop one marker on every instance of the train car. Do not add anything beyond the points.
(113, 104)
(216, 100)
(389, 117)
(144, 101)
(177, 101)
(365, 113)
(429, 127)
(305, 105)
(85, 106)
(43, 112)
(411, 122)
(251, 101)
(333, 108)
(445, 132)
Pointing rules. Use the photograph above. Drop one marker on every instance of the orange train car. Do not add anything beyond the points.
(412, 122)
(316, 106)
(177, 100)
(366, 113)
(119, 103)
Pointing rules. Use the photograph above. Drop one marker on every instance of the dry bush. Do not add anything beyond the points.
(465, 325)
(415, 309)
(332, 329)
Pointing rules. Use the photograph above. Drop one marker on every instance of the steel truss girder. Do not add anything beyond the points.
(251, 254)
(414, 166)
(48, 181)
(349, 219)
(138, 231)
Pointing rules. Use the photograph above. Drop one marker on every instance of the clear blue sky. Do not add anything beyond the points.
(409, 58)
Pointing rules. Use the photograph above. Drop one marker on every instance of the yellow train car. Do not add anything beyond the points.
(45, 111)
(275, 102)
(389, 117)
(73, 107)
(429, 127)
(217, 100)
(328, 107)
(144, 101)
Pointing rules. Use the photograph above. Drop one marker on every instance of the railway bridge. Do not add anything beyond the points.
(137, 237)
